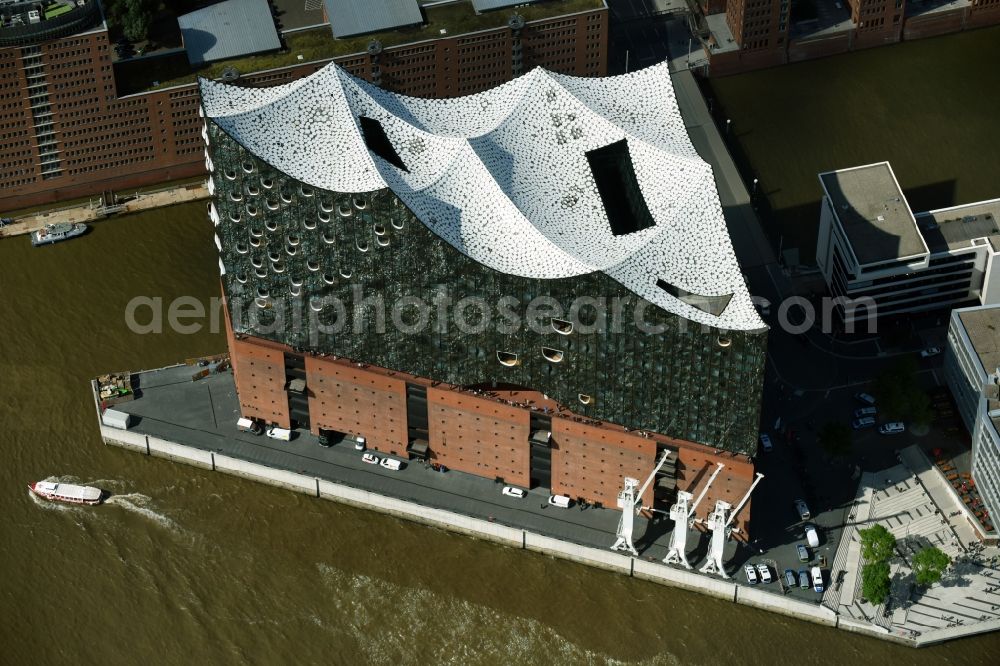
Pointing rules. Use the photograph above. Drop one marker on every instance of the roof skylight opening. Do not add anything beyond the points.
(713, 305)
(611, 166)
(379, 143)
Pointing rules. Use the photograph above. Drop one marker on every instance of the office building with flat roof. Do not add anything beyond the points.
(533, 283)
(972, 371)
(880, 259)
(76, 120)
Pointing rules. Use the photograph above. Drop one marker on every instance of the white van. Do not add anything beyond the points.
(812, 538)
(561, 501)
(248, 425)
(274, 432)
(817, 579)
(391, 463)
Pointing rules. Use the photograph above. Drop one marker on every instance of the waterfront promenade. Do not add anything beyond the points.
(92, 213)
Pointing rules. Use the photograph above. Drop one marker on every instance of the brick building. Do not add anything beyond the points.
(335, 201)
(75, 122)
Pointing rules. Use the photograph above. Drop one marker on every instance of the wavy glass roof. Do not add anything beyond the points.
(547, 176)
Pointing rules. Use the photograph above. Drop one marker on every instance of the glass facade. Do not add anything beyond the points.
(358, 276)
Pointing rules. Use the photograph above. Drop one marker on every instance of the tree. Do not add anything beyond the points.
(929, 564)
(877, 544)
(137, 18)
(875, 583)
(835, 438)
(899, 393)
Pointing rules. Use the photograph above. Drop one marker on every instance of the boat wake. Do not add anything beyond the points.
(138, 503)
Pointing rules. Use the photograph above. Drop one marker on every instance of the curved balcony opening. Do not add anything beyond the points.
(379, 229)
(346, 272)
(329, 238)
(294, 240)
(253, 191)
(256, 232)
(329, 279)
(235, 216)
(242, 248)
(724, 341)
(254, 242)
(326, 206)
(360, 203)
(248, 167)
(508, 359)
(241, 278)
(271, 225)
(260, 272)
(296, 281)
(272, 204)
(295, 290)
(381, 241)
(274, 255)
(309, 223)
(316, 304)
(323, 217)
(397, 224)
(278, 267)
(344, 210)
(584, 399)
(257, 262)
(312, 265)
(262, 303)
(291, 250)
(561, 326)
(251, 210)
(229, 174)
(235, 196)
(286, 197)
(306, 191)
(262, 292)
(266, 183)
(552, 355)
(362, 245)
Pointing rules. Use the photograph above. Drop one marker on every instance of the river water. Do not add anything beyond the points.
(184, 564)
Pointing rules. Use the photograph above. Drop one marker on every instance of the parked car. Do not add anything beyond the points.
(391, 463)
(812, 536)
(751, 574)
(865, 398)
(561, 501)
(370, 458)
(866, 422)
(930, 351)
(802, 509)
(359, 443)
(250, 426)
(765, 573)
(511, 491)
(894, 428)
(765, 442)
(817, 579)
(803, 553)
(803, 579)
(865, 411)
(790, 578)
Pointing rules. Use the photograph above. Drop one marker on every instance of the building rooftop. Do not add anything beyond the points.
(487, 5)
(228, 29)
(873, 212)
(359, 17)
(957, 227)
(982, 325)
(547, 176)
(144, 74)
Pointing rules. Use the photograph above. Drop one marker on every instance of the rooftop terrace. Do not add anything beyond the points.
(982, 325)
(145, 74)
(957, 227)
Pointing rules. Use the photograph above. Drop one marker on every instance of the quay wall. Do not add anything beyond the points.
(520, 538)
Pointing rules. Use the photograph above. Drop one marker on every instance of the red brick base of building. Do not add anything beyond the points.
(483, 430)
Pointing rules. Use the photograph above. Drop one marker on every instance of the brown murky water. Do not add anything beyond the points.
(184, 564)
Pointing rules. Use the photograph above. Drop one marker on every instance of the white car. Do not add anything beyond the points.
(511, 491)
(866, 398)
(391, 463)
(765, 442)
(802, 509)
(930, 351)
(359, 444)
(751, 574)
(370, 458)
(894, 428)
(812, 536)
(765, 573)
(561, 501)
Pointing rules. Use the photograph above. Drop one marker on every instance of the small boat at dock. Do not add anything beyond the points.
(60, 231)
(67, 492)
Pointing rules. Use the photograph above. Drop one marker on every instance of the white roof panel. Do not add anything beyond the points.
(504, 175)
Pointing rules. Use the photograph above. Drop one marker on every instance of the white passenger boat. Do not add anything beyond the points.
(67, 492)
